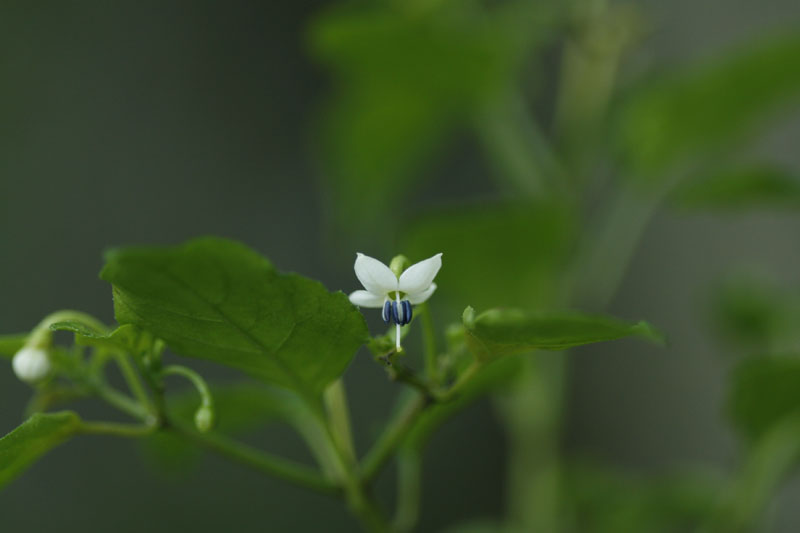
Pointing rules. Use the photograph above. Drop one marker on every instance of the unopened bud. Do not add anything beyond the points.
(31, 365)
(204, 419)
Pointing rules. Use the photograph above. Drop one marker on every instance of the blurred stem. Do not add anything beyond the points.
(335, 399)
(768, 463)
(429, 340)
(517, 146)
(409, 488)
(532, 415)
(392, 436)
(607, 251)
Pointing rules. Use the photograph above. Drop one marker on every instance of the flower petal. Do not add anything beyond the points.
(419, 297)
(366, 299)
(375, 276)
(418, 277)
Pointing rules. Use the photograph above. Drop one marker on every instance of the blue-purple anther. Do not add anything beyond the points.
(399, 313)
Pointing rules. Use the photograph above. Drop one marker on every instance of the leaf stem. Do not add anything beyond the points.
(392, 436)
(264, 462)
(133, 381)
(335, 399)
(116, 429)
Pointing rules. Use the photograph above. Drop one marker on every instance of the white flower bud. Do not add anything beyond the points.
(31, 364)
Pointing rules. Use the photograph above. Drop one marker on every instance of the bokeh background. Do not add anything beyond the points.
(152, 122)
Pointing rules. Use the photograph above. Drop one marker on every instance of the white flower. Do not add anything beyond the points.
(395, 295)
(31, 364)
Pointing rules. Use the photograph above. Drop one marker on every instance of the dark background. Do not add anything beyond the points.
(152, 122)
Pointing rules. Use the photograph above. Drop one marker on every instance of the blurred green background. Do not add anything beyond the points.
(152, 122)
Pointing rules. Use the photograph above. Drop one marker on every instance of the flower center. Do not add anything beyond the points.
(397, 312)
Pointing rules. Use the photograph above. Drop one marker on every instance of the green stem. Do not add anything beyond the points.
(409, 488)
(259, 460)
(115, 429)
(121, 401)
(392, 436)
(429, 341)
(335, 399)
(133, 381)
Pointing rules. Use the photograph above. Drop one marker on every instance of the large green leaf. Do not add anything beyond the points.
(216, 299)
(35, 437)
(764, 391)
(709, 104)
(743, 188)
(500, 332)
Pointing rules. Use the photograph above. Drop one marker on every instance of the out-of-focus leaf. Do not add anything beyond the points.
(601, 500)
(754, 314)
(764, 391)
(510, 253)
(217, 299)
(35, 437)
(405, 78)
(742, 189)
(500, 332)
(11, 344)
(709, 104)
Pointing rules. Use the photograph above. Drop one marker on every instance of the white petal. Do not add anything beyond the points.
(366, 299)
(419, 297)
(374, 275)
(417, 278)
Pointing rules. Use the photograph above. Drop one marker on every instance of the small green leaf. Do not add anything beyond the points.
(765, 391)
(743, 188)
(500, 332)
(709, 104)
(79, 328)
(11, 344)
(35, 437)
(216, 299)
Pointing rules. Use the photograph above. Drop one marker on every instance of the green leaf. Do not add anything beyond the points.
(512, 252)
(35, 437)
(79, 328)
(764, 391)
(11, 344)
(742, 188)
(217, 299)
(500, 332)
(709, 104)
(752, 313)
